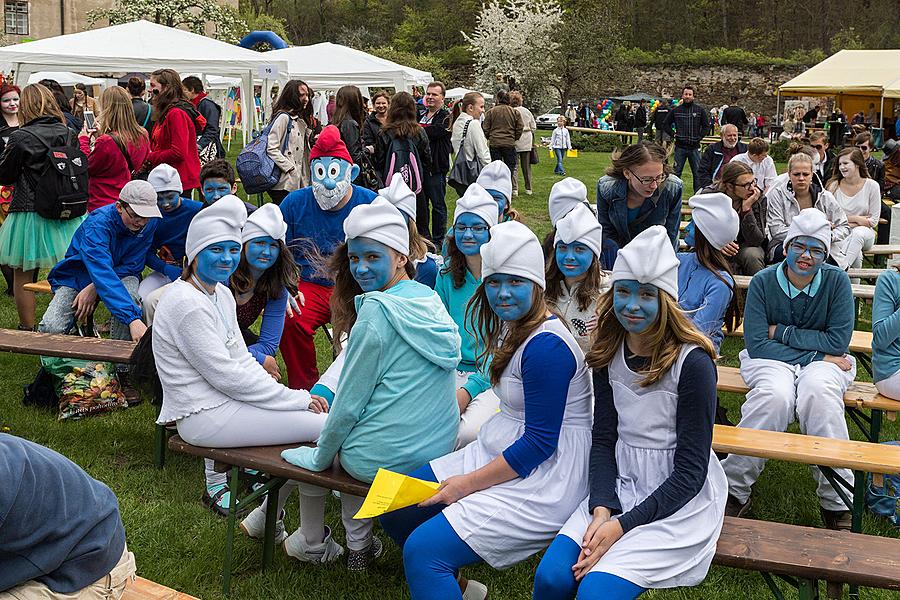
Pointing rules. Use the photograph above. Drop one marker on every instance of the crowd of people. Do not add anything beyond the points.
(562, 392)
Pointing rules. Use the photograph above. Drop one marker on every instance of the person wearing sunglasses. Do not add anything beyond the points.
(819, 141)
(865, 143)
(797, 325)
(638, 192)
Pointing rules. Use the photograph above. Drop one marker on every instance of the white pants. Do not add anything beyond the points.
(480, 409)
(778, 391)
(853, 246)
(890, 387)
(155, 291)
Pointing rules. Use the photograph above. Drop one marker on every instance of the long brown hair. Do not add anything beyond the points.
(715, 261)
(665, 336)
(466, 101)
(117, 116)
(856, 156)
(499, 340)
(401, 120)
(455, 264)
(171, 92)
(636, 155)
(418, 245)
(348, 104)
(730, 174)
(280, 276)
(38, 101)
(588, 288)
(346, 289)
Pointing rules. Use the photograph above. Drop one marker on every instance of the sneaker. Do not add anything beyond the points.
(515, 192)
(839, 520)
(359, 560)
(254, 525)
(217, 498)
(475, 591)
(734, 507)
(528, 192)
(326, 551)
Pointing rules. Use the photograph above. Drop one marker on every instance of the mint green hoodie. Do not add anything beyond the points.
(395, 405)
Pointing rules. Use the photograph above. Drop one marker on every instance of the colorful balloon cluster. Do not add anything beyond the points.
(604, 107)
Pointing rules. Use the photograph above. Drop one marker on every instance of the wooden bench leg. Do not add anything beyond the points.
(271, 520)
(808, 589)
(229, 534)
(161, 438)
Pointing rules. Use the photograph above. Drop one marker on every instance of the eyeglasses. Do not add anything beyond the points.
(648, 180)
(473, 228)
(863, 147)
(747, 186)
(814, 253)
(818, 146)
(133, 214)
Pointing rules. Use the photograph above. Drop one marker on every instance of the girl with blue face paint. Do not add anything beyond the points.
(214, 389)
(652, 474)
(505, 484)
(575, 280)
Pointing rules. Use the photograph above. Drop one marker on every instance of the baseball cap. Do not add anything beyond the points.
(141, 197)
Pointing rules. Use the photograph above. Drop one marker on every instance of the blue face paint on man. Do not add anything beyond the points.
(371, 263)
(510, 296)
(331, 179)
(262, 252)
(217, 262)
(805, 256)
(501, 201)
(168, 200)
(215, 188)
(636, 305)
(573, 260)
(470, 232)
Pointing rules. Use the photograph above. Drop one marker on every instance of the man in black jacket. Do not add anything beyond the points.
(640, 120)
(435, 119)
(720, 154)
(688, 123)
(659, 116)
(735, 115)
(212, 112)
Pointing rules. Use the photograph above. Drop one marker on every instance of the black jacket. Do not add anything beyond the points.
(711, 162)
(688, 124)
(640, 117)
(876, 171)
(350, 136)
(438, 132)
(371, 127)
(24, 157)
(660, 115)
(143, 114)
(735, 115)
(212, 112)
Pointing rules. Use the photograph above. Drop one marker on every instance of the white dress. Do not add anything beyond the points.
(507, 523)
(671, 552)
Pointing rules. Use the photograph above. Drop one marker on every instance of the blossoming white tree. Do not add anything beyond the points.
(515, 40)
(194, 14)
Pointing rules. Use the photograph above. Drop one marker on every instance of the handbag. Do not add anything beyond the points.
(464, 172)
(533, 159)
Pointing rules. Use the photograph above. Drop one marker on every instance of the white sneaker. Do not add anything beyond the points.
(475, 591)
(255, 525)
(528, 192)
(328, 551)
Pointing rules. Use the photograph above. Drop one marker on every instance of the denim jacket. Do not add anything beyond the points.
(662, 208)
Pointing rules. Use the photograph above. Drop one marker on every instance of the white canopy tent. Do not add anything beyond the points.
(64, 78)
(142, 46)
(458, 92)
(330, 66)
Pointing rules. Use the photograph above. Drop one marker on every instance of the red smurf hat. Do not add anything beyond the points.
(329, 143)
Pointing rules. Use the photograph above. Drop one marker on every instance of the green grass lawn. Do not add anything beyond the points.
(178, 542)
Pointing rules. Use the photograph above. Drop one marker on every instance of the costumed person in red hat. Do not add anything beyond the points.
(315, 220)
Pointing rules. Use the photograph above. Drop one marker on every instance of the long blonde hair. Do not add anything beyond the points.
(671, 330)
(117, 116)
(38, 101)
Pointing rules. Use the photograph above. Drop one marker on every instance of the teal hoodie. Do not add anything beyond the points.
(395, 405)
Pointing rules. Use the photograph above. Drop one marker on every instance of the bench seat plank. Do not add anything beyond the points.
(268, 460)
(67, 346)
(809, 553)
(860, 341)
(860, 290)
(144, 589)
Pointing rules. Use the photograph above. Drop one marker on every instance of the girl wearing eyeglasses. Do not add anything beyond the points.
(747, 254)
(638, 192)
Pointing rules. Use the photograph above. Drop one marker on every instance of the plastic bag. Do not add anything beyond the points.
(84, 387)
(884, 500)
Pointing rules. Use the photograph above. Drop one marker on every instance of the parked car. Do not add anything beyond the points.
(548, 119)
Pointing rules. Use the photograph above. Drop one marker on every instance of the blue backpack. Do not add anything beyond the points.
(257, 170)
(884, 500)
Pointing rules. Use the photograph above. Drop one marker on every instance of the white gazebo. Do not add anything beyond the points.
(458, 92)
(144, 46)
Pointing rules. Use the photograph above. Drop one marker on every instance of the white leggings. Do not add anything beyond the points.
(889, 387)
(860, 239)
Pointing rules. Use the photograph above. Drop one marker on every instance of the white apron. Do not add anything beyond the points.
(509, 522)
(675, 551)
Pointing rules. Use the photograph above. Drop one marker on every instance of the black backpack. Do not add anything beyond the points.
(61, 185)
(402, 159)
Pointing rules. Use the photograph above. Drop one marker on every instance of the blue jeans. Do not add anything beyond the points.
(554, 579)
(692, 155)
(434, 188)
(559, 152)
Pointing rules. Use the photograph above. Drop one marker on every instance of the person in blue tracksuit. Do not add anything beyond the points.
(105, 260)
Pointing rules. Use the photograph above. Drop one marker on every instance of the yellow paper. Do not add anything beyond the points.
(392, 491)
(572, 153)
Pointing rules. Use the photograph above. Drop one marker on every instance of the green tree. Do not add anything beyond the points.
(196, 15)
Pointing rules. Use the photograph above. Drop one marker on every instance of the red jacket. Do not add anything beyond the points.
(108, 170)
(174, 143)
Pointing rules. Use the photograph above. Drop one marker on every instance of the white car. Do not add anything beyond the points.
(548, 119)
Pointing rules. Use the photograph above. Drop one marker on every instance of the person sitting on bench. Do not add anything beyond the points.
(61, 534)
(106, 259)
(394, 406)
(166, 253)
(216, 392)
(798, 322)
(886, 333)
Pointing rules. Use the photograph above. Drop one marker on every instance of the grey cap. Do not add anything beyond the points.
(141, 197)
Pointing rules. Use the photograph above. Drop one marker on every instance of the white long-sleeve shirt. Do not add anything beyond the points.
(865, 203)
(560, 139)
(764, 170)
(476, 143)
(202, 360)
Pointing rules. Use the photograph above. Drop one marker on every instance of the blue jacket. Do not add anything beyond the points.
(662, 208)
(103, 252)
(703, 296)
(171, 232)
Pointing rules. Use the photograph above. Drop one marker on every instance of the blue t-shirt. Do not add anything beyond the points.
(171, 232)
(633, 213)
(311, 230)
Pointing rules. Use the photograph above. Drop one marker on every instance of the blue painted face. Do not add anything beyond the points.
(573, 260)
(168, 200)
(217, 262)
(215, 188)
(510, 296)
(470, 232)
(636, 305)
(331, 179)
(262, 252)
(805, 256)
(371, 263)
(501, 201)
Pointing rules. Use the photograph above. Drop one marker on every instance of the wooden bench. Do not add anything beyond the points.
(144, 589)
(860, 291)
(881, 249)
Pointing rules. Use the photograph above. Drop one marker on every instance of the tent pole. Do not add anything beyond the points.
(881, 115)
(778, 118)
